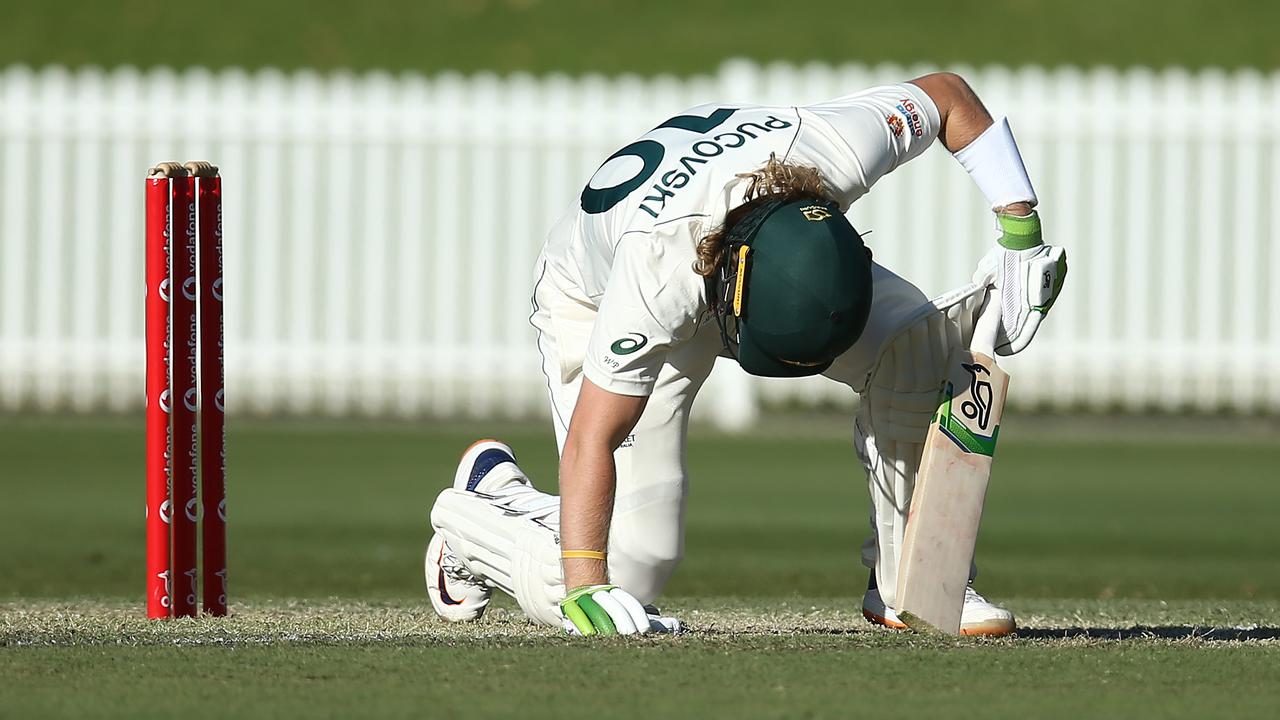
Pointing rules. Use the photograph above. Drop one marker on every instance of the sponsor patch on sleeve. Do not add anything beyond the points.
(911, 114)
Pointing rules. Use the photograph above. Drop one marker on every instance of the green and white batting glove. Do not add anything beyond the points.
(610, 610)
(1027, 276)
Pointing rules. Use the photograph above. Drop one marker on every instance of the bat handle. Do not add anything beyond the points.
(987, 328)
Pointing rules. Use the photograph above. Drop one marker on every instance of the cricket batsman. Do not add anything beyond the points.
(723, 231)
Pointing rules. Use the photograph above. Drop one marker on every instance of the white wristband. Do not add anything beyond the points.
(994, 163)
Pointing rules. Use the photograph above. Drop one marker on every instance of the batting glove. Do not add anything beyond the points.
(1027, 276)
(609, 610)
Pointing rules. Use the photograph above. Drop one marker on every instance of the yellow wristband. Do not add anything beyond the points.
(586, 554)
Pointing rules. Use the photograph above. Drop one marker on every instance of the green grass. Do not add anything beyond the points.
(1141, 566)
(332, 659)
(330, 509)
(659, 36)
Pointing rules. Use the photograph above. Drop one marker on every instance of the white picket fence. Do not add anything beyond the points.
(381, 230)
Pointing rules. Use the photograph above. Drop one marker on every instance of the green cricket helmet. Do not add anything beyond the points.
(793, 289)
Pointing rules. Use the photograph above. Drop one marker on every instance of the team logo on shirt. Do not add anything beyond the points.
(629, 344)
(895, 124)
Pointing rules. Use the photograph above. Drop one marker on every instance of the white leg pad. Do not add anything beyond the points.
(513, 552)
(894, 416)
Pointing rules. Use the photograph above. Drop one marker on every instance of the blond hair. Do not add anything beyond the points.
(775, 180)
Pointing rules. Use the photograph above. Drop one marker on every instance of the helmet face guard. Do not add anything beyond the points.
(727, 288)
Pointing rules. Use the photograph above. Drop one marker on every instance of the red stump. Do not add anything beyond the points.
(213, 457)
(184, 384)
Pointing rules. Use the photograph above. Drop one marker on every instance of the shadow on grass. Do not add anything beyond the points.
(1190, 633)
(1155, 632)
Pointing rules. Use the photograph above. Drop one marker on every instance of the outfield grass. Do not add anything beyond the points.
(658, 36)
(1142, 567)
(319, 510)
(786, 660)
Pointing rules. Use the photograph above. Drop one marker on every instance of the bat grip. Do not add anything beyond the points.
(987, 328)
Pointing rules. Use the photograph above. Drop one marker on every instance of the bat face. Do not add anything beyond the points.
(951, 487)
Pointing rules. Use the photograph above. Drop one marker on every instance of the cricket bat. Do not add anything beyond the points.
(951, 486)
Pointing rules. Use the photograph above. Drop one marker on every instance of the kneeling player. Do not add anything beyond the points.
(723, 230)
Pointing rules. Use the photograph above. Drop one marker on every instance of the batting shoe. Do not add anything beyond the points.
(983, 617)
(979, 616)
(456, 594)
(489, 466)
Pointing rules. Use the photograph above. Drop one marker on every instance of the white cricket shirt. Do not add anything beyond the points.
(627, 247)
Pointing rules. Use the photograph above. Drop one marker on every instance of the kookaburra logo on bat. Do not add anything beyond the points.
(978, 407)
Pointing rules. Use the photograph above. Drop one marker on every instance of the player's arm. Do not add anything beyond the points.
(642, 313)
(962, 119)
(1026, 273)
(601, 421)
(588, 479)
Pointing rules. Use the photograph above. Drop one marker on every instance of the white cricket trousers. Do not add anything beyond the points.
(646, 539)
